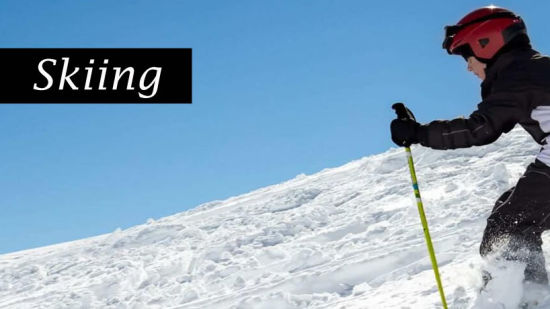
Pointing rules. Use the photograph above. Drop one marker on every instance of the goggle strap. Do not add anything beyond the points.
(484, 18)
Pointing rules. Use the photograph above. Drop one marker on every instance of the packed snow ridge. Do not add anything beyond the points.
(346, 237)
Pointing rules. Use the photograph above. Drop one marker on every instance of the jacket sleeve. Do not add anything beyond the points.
(497, 114)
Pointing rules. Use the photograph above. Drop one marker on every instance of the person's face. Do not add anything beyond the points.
(477, 67)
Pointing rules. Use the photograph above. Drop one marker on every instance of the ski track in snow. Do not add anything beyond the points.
(346, 237)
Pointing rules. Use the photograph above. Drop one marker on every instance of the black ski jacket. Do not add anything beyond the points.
(516, 90)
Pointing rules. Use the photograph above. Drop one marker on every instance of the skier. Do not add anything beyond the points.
(515, 89)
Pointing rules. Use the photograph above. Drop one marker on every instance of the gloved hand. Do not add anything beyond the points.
(404, 131)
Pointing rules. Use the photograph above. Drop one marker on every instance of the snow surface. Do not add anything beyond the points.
(346, 237)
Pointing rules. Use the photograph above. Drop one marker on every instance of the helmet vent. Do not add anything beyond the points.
(483, 42)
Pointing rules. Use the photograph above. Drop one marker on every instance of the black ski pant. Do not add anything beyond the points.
(517, 221)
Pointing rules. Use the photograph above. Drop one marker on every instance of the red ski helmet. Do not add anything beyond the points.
(483, 32)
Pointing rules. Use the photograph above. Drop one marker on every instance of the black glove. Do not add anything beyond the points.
(404, 131)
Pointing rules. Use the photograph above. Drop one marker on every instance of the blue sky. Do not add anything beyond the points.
(279, 88)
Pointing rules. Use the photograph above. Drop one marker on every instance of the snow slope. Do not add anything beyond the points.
(346, 237)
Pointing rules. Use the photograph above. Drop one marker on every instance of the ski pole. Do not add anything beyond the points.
(403, 114)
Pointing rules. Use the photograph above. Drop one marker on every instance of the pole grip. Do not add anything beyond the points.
(403, 113)
(400, 110)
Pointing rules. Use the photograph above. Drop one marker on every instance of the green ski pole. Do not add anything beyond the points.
(402, 113)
